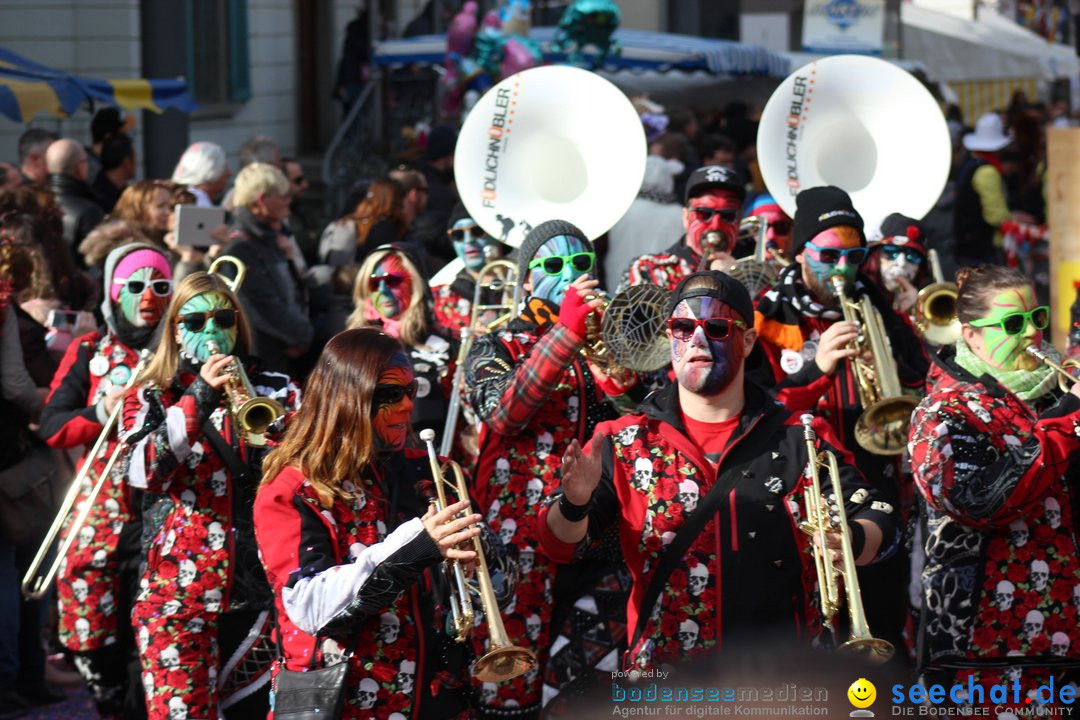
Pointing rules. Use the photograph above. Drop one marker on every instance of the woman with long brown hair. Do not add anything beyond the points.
(377, 220)
(203, 599)
(350, 543)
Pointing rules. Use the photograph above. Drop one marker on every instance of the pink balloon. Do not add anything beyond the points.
(517, 57)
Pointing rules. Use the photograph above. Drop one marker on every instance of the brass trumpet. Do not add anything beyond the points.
(883, 426)
(821, 520)
(935, 308)
(1066, 379)
(35, 585)
(503, 661)
(495, 276)
(254, 414)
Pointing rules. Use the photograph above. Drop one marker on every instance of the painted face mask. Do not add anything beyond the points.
(392, 403)
(144, 295)
(835, 251)
(390, 287)
(706, 356)
(205, 317)
(1015, 321)
(898, 261)
(714, 212)
(559, 262)
(470, 243)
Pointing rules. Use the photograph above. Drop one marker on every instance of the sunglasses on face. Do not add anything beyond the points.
(393, 394)
(553, 264)
(458, 234)
(392, 281)
(781, 227)
(224, 318)
(161, 288)
(892, 252)
(715, 328)
(705, 214)
(831, 256)
(1014, 323)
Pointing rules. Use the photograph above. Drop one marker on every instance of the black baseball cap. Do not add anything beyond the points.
(715, 176)
(728, 290)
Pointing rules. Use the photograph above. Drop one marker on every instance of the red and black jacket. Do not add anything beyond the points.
(750, 572)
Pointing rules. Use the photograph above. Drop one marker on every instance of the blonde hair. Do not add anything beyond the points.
(414, 326)
(256, 179)
(166, 361)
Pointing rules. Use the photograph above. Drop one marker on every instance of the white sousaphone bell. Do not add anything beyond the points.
(548, 143)
(861, 124)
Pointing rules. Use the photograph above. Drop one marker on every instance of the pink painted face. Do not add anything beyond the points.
(716, 211)
(392, 403)
(836, 251)
(778, 235)
(390, 287)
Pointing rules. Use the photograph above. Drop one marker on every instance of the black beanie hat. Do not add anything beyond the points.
(540, 235)
(730, 292)
(819, 208)
(458, 213)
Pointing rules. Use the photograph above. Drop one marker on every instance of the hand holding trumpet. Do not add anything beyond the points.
(449, 532)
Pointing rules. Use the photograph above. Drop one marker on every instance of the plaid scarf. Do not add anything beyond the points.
(1028, 385)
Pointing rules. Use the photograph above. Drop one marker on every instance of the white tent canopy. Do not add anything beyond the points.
(958, 49)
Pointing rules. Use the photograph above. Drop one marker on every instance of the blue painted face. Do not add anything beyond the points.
(553, 287)
(470, 243)
(202, 311)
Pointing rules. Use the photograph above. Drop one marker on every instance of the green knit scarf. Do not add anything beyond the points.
(1027, 385)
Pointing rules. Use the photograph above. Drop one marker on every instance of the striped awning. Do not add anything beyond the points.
(641, 50)
(28, 88)
(978, 97)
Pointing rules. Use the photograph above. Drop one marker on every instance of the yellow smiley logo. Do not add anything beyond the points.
(862, 693)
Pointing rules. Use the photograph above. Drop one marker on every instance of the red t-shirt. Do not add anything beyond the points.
(711, 437)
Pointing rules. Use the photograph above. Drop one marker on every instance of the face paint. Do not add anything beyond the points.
(897, 267)
(146, 308)
(390, 287)
(816, 273)
(697, 226)
(1004, 351)
(195, 342)
(469, 243)
(702, 365)
(778, 234)
(553, 287)
(391, 421)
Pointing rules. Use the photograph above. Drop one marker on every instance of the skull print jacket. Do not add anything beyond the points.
(89, 583)
(749, 575)
(198, 538)
(665, 269)
(360, 577)
(1002, 573)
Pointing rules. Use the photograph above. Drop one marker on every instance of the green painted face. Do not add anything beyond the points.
(145, 307)
(195, 341)
(1004, 351)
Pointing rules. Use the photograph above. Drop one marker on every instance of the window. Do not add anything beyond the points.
(218, 64)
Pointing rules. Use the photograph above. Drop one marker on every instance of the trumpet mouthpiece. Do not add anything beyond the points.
(807, 421)
(1035, 351)
(427, 435)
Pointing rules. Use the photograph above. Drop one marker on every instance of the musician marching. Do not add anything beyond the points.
(711, 445)
(203, 598)
(99, 576)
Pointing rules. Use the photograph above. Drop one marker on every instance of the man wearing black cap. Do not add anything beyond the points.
(702, 488)
(475, 248)
(805, 342)
(535, 393)
(714, 196)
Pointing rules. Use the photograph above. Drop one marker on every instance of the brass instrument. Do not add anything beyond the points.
(1066, 379)
(253, 414)
(503, 661)
(34, 584)
(822, 519)
(710, 243)
(883, 426)
(626, 333)
(755, 273)
(495, 276)
(935, 308)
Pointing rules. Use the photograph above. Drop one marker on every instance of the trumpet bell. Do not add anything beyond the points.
(504, 663)
(882, 429)
(256, 415)
(872, 650)
(935, 313)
